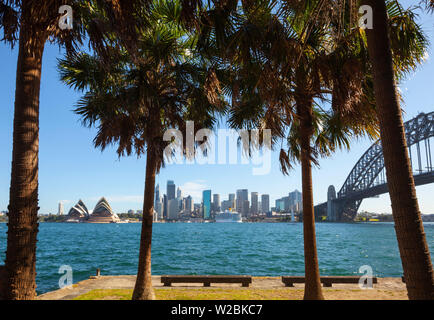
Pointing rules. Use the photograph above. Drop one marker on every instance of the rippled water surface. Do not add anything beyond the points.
(259, 249)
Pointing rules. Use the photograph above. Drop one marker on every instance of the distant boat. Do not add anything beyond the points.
(72, 221)
(228, 216)
(122, 221)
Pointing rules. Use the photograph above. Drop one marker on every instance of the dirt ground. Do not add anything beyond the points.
(385, 289)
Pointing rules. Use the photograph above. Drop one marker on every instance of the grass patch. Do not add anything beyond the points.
(244, 294)
(198, 294)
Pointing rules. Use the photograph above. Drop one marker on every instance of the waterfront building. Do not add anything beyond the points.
(245, 210)
(216, 203)
(189, 204)
(170, 190)
(158, 207)
(254, 203)
(265, 203)
(280, 205)
(242, 196)
(79, 211)
(103, 213)
(173, 211)
(295, 200)
(60, 211)
(206, 202)
(157, 194)
(158, 203)
(165, 206)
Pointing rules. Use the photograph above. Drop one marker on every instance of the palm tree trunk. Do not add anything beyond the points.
(415, 256)
(143, 289)
(312, 289)
(23, 204)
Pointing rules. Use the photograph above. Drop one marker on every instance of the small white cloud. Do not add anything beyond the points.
(194, 189)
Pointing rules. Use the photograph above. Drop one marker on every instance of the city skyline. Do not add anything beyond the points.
(217, 198)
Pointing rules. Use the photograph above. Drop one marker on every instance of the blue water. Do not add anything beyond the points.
(259, 249)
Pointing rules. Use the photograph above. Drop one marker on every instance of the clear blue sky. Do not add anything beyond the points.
(71, 169)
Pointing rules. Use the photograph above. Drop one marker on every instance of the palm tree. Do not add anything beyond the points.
(134, 101)
(32, 23)
(415, 256)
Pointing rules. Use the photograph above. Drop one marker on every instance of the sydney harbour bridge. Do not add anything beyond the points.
(368, 177)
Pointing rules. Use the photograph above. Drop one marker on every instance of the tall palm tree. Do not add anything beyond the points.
(31, 24)
(134, 100)
(415, 256)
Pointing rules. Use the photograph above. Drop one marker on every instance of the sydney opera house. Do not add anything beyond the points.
(102, 213)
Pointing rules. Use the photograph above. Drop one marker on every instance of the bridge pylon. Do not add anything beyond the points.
(332, 213)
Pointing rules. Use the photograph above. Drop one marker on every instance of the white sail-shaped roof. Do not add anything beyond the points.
(103, 208)
(103, 213)
(79, 210)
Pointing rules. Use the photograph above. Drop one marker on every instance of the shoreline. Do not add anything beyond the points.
(265, 287)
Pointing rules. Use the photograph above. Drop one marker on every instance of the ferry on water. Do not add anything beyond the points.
(228, 216)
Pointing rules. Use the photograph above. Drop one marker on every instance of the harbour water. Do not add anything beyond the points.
(257, 249)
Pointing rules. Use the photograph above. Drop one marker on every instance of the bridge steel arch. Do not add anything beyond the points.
(366, 171)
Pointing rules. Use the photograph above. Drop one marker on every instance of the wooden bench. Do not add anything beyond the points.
(206, 280)
(327, 281)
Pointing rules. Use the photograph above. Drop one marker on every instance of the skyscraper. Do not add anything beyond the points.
(216, 202)
(280, 205)
(157, 193)
(189, 204)
(232, 203)
(179, 193)
(206, 201)
(295, 199)
(246, 206)
(170, 190)
(158, 204)
(158, 207)
(265, 201)
(173, 209)
(165, 207)
(60, 212)
(254, 203)
(242, 195)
